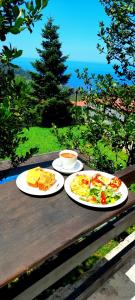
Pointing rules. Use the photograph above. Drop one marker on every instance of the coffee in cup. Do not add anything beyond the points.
(68, 158)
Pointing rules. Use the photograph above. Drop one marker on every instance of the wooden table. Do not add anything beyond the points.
(32, 229)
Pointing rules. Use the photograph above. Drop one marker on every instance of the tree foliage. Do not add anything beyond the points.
(15, 16)
(109, 131)
(119, 36)
(107, 137)
(50, 78)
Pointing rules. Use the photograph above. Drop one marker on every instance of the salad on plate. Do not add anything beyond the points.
(94, 188)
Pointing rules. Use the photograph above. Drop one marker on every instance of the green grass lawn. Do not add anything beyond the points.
(43, 138)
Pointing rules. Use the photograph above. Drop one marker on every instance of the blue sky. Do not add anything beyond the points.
(79, 24)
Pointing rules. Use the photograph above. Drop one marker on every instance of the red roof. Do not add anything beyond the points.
(79, 103)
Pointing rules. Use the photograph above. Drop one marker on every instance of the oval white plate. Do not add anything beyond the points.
(123, 190)
(57, 165)
(24, 187)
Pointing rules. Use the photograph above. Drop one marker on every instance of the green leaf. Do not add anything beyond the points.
(38, 4)
(29, 5)
(6, 49)
(14, 30)
(19, 22)
(17, 53)
(16, 11)
(44, 3)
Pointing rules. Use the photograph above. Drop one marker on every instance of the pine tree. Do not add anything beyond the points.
(50, 78)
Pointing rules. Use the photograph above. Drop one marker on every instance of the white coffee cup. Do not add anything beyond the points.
(68, 158)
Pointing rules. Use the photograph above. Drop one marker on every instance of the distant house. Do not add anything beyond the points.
(79, 103)
(117, 107)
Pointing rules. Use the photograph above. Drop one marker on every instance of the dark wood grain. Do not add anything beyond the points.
(33, 229)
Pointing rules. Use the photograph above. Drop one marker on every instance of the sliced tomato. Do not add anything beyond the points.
(97, 180)
(85, 181)
(114, 186)
(103, 198)
(115, 183)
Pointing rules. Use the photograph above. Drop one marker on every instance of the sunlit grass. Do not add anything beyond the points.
(42, 138)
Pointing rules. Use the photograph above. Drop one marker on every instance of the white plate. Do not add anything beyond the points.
(24, 187)
(57, 165)
(123, 190)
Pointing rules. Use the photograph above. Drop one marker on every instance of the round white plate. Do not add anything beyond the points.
(123, 190)
(24, 187)
(57, 165)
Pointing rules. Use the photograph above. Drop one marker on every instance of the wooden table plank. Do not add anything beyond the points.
(33, 229)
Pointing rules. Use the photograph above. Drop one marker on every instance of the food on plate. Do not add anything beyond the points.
(33, 176)
(115, 183)
(40, 178)
(81, 185)
(99, 180)
(97, 189)
(46, 180)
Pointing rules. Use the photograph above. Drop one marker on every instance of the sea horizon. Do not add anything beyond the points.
(93, 68)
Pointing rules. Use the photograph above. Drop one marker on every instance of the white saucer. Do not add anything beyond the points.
(57, 165)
